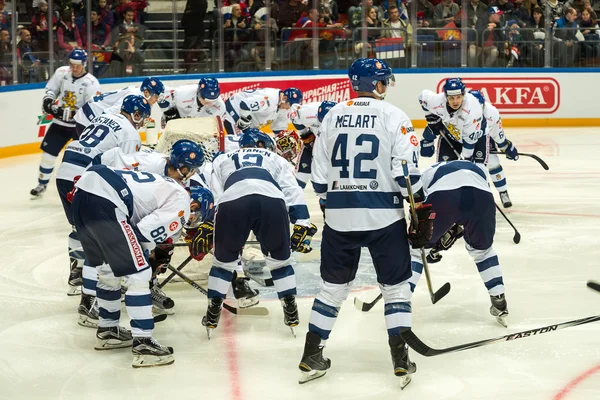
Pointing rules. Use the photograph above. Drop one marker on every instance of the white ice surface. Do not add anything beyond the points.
(44, 354)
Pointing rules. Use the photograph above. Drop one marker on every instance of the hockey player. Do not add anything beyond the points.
(258, 108)
(456, 115)
(121, 217)
(255, 190)
(67, 91)
(357, 173)
(459, 193)
(110, 102)
(194, 101)
(492, 125)
(106, 132)
(185, 158)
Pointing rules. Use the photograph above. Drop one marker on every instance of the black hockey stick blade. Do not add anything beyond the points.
(594, 285)
(441, 293)
(536, 158)
(517, 236)
(160, 318)
(417, 344)
(362, 306)
(172, 275)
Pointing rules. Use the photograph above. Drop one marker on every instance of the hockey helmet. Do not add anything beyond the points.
(324, 109)
(134, 104)
(294, 96)
(364, 74)
(252, 137)
(154, 86)
(78, 57)
(208, 89)
(454, 87)
(185, 153)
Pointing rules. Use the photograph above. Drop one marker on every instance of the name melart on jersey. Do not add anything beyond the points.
(355, 121)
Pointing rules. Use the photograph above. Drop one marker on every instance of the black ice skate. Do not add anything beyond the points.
(245, 295)
(113, 337)
(162, 304)
(290, 313)
(37, 191)
(213, 314)
(88, 311)
(75, 279)
(506, 203)
(403, 367)
(147, 352)
(313, 365)
(499, 309)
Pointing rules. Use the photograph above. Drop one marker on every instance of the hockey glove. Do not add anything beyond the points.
(427, 148)
(510, 151)
(244, 122)
(202, 242)
(433, 256)
(421, 231)
(450, 237)
(47, 105)
(161, 256)
(308, 139)
(299, 240)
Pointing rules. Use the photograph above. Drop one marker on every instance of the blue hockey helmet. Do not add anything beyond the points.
(364, 74)
(208, 89)
(154, 86)
(479, 96)
(294, 96)
(78, 57)
(454, 87)
(324, 109)
(252, 137)
(185, 153)
(134, 104)
(202, 206)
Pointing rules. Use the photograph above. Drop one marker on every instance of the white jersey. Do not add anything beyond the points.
(262, 105)
(156, 205)
(258, 171)
(306, 118)
(145, 160)
(232, 143)
(464, 125)
(71, 92)
(452, 175)
(109, 103)
(185, 100)
(104, 133)
(493, 124)
(357, 164)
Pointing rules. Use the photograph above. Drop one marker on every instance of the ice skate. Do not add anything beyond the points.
(162, 304)
(506, 203)
(213, 314)
(113, 337)
(499, 309)
(147, 352)
(290, 313)
(245, 295)
(37, 192)
(88, 311)
(75, 279)
(403, 367)
(313, 365)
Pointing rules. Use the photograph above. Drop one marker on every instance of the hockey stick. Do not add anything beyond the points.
(594, 285)
(517, 236)
(445, 289)
(184, 244)
(172, 275)
(234, 310)
(536, 158)
(362, 306)
(417, 344)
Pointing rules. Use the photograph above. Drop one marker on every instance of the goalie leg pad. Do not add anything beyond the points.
(326, 307)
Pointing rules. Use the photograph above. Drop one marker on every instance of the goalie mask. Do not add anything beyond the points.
(202, 206)
(288, 145)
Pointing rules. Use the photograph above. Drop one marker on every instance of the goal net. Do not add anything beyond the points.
(207, 132)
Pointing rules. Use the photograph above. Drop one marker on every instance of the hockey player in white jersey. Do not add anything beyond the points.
(357, 172)
(461, 197)
(121, 217)
(194, 101)
(258, 108)
(492, 123)
(457, 116)
(106, 132)
(254, 190)
(152, 89)
(67, 91)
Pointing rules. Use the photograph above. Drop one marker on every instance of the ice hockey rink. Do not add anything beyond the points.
(44, 354)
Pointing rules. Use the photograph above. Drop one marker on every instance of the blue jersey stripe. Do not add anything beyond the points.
(372, 200)
(250, 173)
(117, 183)
(75, 158)
(455, 166)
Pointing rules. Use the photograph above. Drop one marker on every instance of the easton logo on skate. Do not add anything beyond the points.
(133, 243)
(532, 332)
(517, 95)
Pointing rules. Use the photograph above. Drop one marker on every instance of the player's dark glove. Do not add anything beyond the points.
(300, 240)
(433, 256)
(169, 115)
(161, 256)
(420, 232)
(202, 242)
(450, 237)
(510, 150)
(47, 105)
(434, 124)
(427, 148)
(244, 122)
(308, 139)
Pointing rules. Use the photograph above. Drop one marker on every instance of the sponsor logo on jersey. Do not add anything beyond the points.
(173, 226)
(454, 131)
(69, 99)
(403, 130)
(373, 185)
(349, 103)
(414, 140)
(180, 213)
(519, 95)
(134, 244)
(362, 103)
